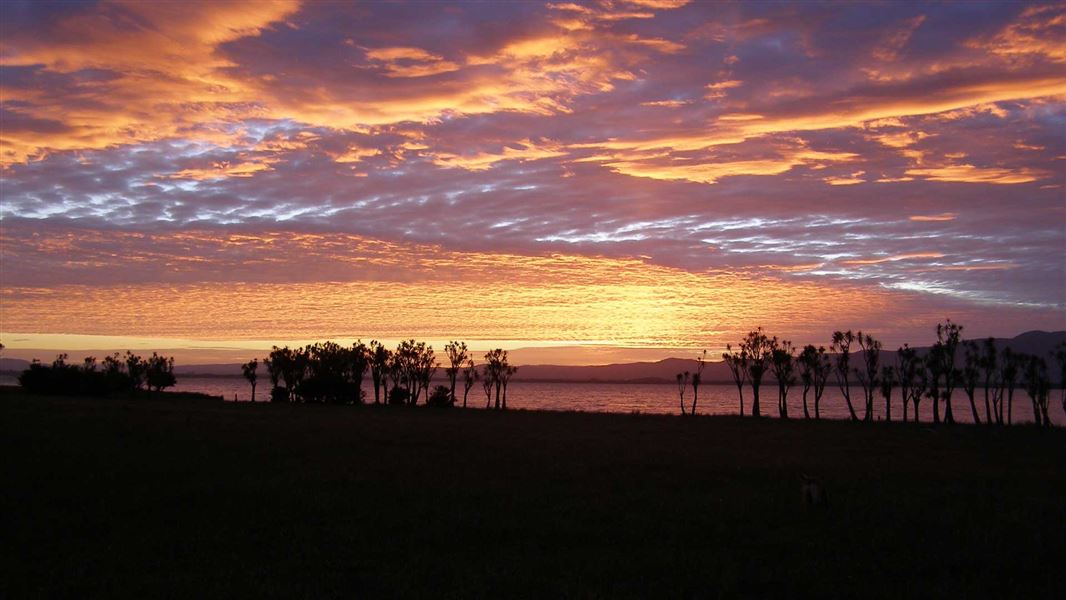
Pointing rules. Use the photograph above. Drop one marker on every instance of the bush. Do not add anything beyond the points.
(93, 379)
(279, 394)
(399, 395)
(441, 397)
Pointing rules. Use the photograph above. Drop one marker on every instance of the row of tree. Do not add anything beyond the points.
(855, 360)
(329, 372)
(114, 374)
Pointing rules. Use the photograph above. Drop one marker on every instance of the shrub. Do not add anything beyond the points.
(441, 397)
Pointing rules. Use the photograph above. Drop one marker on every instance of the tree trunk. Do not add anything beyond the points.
(740, 392)
(949, 417)
(695, 397)
(466, 392)
(755, 401)
(806, 413)
(973, 409)
(988, 407)
(936, 409)
(1010, 406)
(888, 406)
(915, 402)
(851, 409)
(497, 396)
(253, 392)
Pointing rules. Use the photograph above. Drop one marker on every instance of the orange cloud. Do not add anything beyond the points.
(940, 217)
(971, 174)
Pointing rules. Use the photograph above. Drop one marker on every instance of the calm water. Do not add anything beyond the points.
(653, 398)
(662, 398)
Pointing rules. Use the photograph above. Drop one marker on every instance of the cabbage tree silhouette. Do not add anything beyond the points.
(470, 377)
(814, 373)
(249, 369)
(782, 362)
(1038, 386)
(682, 385)
(359, 361)
(737, 361)
(887, 381)
(990, 376)
(457, 357)
(1059, 354)
(697, 378)
(948, 338)
(378, 360)
(867, 376)
(842, 341)
(912, 379)
(970, 376)
(759, 351)
(1010, 370)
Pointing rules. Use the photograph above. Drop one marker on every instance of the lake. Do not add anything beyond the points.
(653, 398)
(659, 398)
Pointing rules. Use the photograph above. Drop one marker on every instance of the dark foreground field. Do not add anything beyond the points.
(184, 498)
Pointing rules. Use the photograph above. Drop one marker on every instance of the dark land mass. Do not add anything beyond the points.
(1037, 343)
(190, 498)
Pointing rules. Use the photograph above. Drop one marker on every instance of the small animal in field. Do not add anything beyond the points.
(813, 492)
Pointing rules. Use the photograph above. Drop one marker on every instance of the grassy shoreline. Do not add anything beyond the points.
(199, 497)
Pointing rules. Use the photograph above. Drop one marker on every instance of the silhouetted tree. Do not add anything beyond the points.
(948, 337)
(738, 367)
(971, 374)
(470, 377)
(1010, 369)
(359, 357)
(990, 371)
(887, 381)
(814, 373)
(867, 376)
(250, 370)
(912, 379)
(759, 351)
(495, 368)
(697, 378)
(682, 385)
(135, 367)
(378, 360)
(782, 362)
(488, 382)
(1038, 386)
(1059, 354)
(457, 356)
(842, 341)
(505, 378)
(159, 372)
(395, 378)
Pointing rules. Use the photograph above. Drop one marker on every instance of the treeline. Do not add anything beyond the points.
(331, 373)
(986, 376)
(115, 374)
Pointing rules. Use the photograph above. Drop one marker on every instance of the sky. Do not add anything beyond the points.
(579, 182)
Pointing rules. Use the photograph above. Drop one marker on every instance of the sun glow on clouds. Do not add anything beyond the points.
(418, 148)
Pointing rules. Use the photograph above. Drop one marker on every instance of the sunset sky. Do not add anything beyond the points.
(589, 182)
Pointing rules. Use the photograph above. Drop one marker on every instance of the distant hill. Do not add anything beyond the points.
(13, 365)
(1039, 343)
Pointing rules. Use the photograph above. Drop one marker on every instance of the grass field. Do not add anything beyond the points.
(192, 498)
